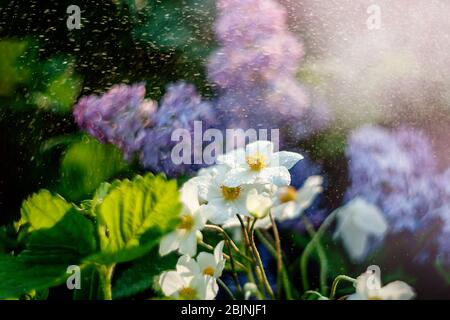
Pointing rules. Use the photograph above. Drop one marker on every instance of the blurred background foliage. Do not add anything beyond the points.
(45, 67)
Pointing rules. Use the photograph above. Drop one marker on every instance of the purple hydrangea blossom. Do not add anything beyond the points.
(123, 117)
(255, 71)
(180, 107)
(118, 117)
(394, 170)
(247, 21)
(443, 213)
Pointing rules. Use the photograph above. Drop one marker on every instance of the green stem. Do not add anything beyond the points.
(261, 266)
(273, 252)
(323, 261)
(105, 275)
(336, 282)
(224, 233)
(311, 246)
(227, 290)
(233, 268)
(279, 258)
(310, 292)
(250, 245)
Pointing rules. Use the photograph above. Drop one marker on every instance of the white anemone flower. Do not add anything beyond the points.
(177, 284)
(206, 264)
(291, 203)
(357, 222)
(287, 203)
(193, 218)
(222, 202)
(258, 204)
(368, 287)
(258, 164)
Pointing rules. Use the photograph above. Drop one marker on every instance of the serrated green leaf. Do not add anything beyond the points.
(70, 240)
(43, 210)
(141, 274)
(133, 217)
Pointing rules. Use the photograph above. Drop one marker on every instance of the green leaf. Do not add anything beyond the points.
(61, 93)
(85, 165)
(70, 240)
(141, 274)
(12, 74)
(43, 210)
(18, 278)
(61, 86)
(133, 217)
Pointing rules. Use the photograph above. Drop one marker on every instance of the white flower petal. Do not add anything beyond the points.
(206, 260)
(262, 147)
(290, 210)
(218, 251)
(189, 244)
(233, 158)
(203, 213)
(308, 192)
(169, 243)
(240, 176)
(221, 211)
(188, 267)
(171, 282)
(189, 195)
(397, 290)
(355, 242)
(279, 176)
(368, 217)
(257, 204)
(285, 159)
(207, 287)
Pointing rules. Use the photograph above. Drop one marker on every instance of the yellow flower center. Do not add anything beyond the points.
(256, 162)
(290, 194)
(187, 222)
(230, 193)
(209, 271)
(187, 293)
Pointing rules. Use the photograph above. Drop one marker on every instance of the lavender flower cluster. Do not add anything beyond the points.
(396, 170)
(123, 117)
(255, 70)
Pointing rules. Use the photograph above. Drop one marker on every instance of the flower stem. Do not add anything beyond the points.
(250, 245)
(224, 233)
(233, 268)
(311, 246)
(273, 252)
(276, 235)
(261, 266)
(105, 275)
(310, 292)
(336, 282)
(227, 290)
(228, 238)
(321, 255)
